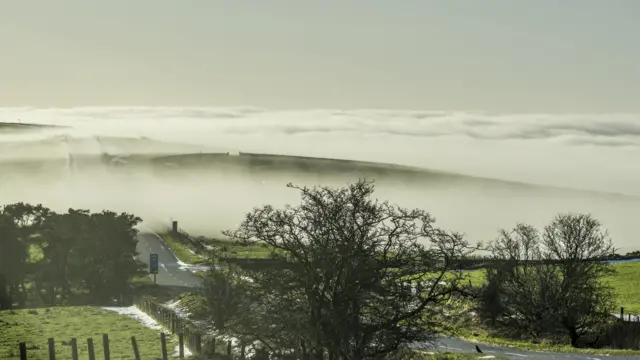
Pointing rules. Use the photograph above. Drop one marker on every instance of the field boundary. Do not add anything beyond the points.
(198, 341)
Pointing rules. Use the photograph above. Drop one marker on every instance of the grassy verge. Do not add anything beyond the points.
(483, 336)
(182, 251)
(35, 326)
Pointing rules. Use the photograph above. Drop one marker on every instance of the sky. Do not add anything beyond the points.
(500, 56)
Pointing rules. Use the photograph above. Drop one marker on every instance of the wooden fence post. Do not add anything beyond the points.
(134, 344)
(23, 351)
(74, 349)
(622, 313)
(92, 353)
(229, 347)
(52, 349)
(105, 345)
(163, 342)
(181, 340)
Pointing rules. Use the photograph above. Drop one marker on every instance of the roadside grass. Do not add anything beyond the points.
(35, 326)
(182, 251)
(483, 336)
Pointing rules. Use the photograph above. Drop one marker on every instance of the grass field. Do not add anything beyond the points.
(181, 251)
(230, 249)
(223, 248)
(35, 326)
(626, 283)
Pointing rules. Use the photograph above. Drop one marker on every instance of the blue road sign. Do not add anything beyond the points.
(153, 263)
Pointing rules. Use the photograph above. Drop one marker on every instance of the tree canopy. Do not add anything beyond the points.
(567, 295)
(359, 278)
(61, 254)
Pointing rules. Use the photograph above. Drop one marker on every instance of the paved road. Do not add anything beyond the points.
(446, 344)
(170, 273)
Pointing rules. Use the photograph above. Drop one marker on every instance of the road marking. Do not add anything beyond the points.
(522, 355)
(452, 348)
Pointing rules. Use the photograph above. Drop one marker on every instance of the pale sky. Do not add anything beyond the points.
(504, 56)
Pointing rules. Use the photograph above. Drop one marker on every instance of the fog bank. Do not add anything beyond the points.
(581, 152)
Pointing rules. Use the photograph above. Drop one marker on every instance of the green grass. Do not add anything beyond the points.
(626, 283)
(181, 250)
(230, 249)
(35, 326)
(482, 336)
(627, 286)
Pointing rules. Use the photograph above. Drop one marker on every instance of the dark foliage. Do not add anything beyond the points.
(64, 254)
(566, 296)
(363, 278)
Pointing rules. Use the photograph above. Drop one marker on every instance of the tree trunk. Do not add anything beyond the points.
(52, 295)
(13, 294)
(5, 300)
(22, 301)
(318, 354)
(574, 337)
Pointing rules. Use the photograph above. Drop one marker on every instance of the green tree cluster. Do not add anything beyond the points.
(48, 257)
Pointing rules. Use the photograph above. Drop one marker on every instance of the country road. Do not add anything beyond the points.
(170, 273)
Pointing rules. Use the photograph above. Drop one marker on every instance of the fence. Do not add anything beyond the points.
(105, 345)
(196, 340)
(199, 246)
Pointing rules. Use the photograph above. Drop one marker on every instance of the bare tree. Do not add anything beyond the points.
(225, 297)
(552, 282)
(578, 242)
(356, 270)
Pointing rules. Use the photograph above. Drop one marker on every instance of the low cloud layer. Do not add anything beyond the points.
(583, 151)
(597, 152)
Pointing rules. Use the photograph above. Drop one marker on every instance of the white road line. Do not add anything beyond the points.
(522, 355)
(452, 348)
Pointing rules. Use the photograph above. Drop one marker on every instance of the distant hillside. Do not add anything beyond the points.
(274, 163)
(25, 126)
(161, 157)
